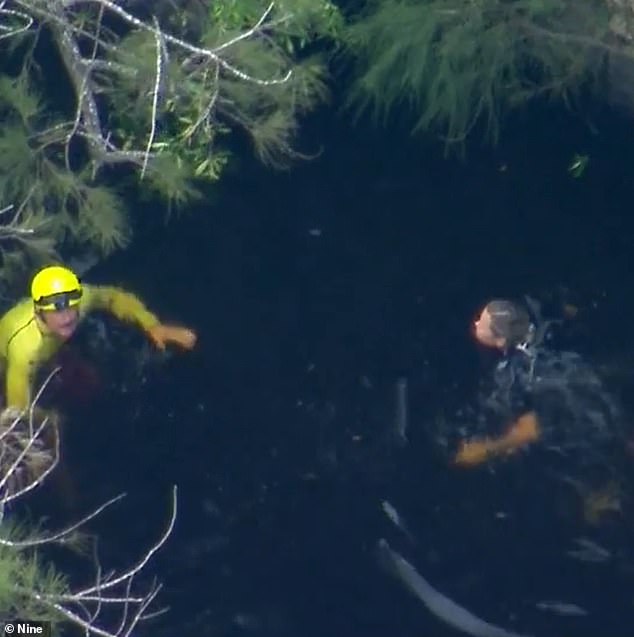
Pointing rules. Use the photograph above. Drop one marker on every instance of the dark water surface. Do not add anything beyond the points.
(312, 292)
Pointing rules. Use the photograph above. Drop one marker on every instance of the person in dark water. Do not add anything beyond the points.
(33, 333)
(34, 329)
(506, 326)
(540, 394)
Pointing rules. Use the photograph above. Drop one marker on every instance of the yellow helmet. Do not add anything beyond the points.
(55, 288)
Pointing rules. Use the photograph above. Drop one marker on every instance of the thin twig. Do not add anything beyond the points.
(132, 571)
(155, 96)
(83, 90)
(11, 31)
(187, 46)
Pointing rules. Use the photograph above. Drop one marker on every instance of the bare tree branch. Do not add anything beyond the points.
(26, 458)
(9, 31)
(103, 592)
(90, 114)
(155, 93)
(28, 454)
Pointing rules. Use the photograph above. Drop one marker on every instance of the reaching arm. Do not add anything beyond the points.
(124, 305)
(127, 307)
(524, 431)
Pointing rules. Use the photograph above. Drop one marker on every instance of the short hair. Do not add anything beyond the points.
(509, 320)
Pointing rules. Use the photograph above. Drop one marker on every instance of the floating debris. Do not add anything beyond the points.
(398, 521)
(401, 412)
(561, 608)
(589, 551)
(440, 605)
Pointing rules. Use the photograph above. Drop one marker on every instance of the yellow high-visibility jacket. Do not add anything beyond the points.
(25, 344)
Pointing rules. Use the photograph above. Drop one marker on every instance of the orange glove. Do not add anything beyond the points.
(161, 335)
(474, 453)
(524, 431)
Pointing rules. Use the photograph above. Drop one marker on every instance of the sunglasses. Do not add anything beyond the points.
(59, 301)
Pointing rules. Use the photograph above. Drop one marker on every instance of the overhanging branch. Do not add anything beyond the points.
(68, 34)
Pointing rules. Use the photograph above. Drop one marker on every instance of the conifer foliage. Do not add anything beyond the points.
(95, 92)
(457, 64)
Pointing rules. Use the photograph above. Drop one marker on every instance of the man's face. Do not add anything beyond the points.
(62, 323)
(484, 333)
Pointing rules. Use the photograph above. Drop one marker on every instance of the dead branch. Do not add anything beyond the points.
(28, 454)
(89, 118)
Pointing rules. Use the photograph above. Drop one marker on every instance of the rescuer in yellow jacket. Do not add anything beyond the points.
(35, 328)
